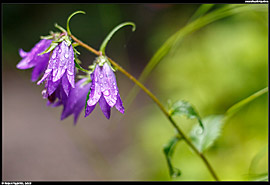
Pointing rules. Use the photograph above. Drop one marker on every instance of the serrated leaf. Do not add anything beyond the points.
(185, 108)
(212, 129)
(168, 150)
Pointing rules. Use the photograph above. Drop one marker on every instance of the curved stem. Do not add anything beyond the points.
(154, 98)
(106, 40)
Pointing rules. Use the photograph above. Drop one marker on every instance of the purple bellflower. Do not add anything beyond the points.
(76, 100)
(32, 59)
(59, 75)
(104, 90)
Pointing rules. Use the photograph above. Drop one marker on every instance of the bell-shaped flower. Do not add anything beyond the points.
(104, 90)
(33, 59)
(60, 70)
(75, 102)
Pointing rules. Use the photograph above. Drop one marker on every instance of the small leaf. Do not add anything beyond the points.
(168, 150)
(49, 49)
(185, 108)
(77, 65)
(212, 128)
(48, 37)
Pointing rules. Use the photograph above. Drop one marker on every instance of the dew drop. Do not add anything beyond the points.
(54, 55)
(106, 93)
(101, 76)
(66, 55)
(59, 51)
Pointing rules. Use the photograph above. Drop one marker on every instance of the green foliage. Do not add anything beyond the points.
(168, 150)
(212, 129)
(185, 108)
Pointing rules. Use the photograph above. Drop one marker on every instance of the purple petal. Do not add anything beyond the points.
(89, 109)
(39, 69)
(119, 105)
(70, 67)
(46, 74)
(95, 88)
(110, 89)
(106, 109)
(52, 86)
(65, 84)
(31, 59)
(23, 53)
(25, 63)
(63, 58)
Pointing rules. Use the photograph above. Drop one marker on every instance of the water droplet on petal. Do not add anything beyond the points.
(54, 55)
(106, 92)
(101, 76)
(66, 55)
(59, 51)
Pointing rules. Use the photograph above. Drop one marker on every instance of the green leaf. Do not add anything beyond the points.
(212, 129)
(185, 108)
(168, 150)
(50, 48)
(77, 65)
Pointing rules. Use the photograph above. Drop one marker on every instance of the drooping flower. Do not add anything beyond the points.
(60, 70)
(76, 100)
(104, 90)
(33, 59)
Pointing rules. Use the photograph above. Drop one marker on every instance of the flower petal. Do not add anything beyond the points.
(65, 84)
(62, 59)
(106, 109)
(23, 53)
(70, 67)
(95, 88)
(52, 86)
(89, 109)
(39, 69)
(110, 89)
(119, 105)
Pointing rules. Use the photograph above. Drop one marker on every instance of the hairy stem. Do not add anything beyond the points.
(154, 98)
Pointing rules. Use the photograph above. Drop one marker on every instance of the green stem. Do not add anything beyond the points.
(154, 98)
(68, 30)
(236, 107)
(106, 40)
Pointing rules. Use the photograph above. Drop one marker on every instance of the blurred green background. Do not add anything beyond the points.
(212, 68)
